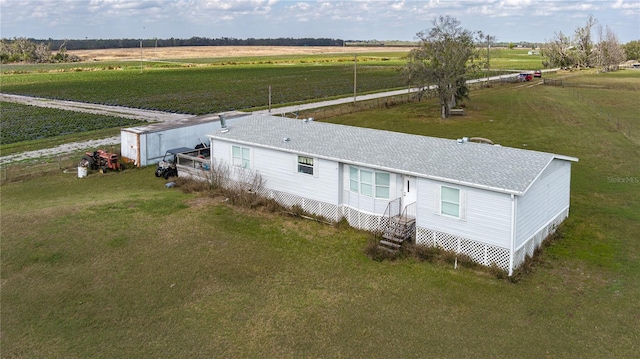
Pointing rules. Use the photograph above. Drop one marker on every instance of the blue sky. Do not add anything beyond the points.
(508, 20)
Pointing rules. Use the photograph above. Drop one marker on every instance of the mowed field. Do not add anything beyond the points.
(118, 265)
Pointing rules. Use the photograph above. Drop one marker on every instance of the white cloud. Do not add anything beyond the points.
(359, 19)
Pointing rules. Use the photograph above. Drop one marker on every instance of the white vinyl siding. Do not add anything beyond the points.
(543, 201)
(276, 169)
(485, 216)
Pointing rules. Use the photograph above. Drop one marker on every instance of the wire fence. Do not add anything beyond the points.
(35, 168)
(624, 127)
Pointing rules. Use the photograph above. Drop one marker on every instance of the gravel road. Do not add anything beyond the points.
(155, 116)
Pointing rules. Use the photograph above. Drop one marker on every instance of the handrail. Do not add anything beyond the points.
(393, 208)
(409, 212)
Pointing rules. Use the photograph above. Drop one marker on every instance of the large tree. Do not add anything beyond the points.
(581, 52)
(560, 51)
(632, 49)
(609, 51)
(584, 47)
(442, 59)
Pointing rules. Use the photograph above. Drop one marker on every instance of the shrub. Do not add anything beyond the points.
(498, 272)
(422, 253)
(190, 185)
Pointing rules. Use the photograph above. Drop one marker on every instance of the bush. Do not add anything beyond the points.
(498, 272)
(190, 185)
(422, 253)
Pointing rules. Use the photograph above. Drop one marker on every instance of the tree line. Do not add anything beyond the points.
(24, 50)
(581, 51)
(40, 50)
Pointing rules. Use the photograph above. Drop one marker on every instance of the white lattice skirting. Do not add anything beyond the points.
(318, 208)
(481, 253)
(528, 247)
(331, 212)
(361, 220)
(487, 254)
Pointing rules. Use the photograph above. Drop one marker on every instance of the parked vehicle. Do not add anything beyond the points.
(167, 166)
(537, 73)
(101, 160)
(525, 77)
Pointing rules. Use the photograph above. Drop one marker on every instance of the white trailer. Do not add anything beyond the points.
(145, 145)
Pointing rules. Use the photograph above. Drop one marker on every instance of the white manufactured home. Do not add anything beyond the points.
(495, 204)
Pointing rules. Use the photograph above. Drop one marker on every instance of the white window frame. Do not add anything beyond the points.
(354, 179)
(368, 188)
(367, 183)
(379, 186)
(440, 201)
(242, 161)
(300, 164)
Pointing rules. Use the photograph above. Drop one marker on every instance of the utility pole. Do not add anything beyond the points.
(140, 55)
(355, 67)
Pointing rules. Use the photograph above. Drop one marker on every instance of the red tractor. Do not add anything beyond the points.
(101, 160)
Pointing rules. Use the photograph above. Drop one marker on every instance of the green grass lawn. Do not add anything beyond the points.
(117, 265)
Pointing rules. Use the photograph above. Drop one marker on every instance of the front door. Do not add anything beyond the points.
(409, 193)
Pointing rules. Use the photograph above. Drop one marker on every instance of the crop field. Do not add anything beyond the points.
(118, 265)
(216, 84)
(201, 90)
(23, 123)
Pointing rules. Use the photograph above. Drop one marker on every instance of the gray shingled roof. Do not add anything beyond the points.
(497, 168)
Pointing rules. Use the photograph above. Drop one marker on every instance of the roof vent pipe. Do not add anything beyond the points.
(223, 124)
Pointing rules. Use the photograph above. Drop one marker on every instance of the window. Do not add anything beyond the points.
(369, 183)
(366, 183)
(383, 181)
(241, 157)
(450, 201)
(353, 179)
(305, 165)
